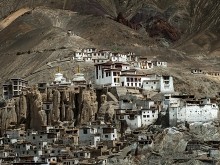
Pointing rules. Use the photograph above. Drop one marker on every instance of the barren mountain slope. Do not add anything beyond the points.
(198, 20)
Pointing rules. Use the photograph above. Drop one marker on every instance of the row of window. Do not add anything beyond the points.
(147, 116)
(134, 84)
(133, 79)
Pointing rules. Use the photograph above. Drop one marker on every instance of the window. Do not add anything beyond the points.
(114, 73)
(148, 116)
(106, 74)
(128, 79)
(33, 137)
(115, 80)
(106, 136)
(81, 154)
(84, 131)
(144, 116)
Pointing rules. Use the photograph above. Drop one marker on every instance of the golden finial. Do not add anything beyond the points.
(58, 69)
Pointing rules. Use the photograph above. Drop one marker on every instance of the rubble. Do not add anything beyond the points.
(205, 131)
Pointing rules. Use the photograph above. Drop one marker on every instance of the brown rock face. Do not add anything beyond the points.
(8, 116)
(89, 106)
(21, 109)
(67, 106)
(121, 19)
(161, 27)
(36, 117)
(155, 27)
(71, 105)
(56, 106)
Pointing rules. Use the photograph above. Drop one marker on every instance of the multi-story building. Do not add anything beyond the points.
(119, 74)
(191, 110)
(14, 87)
(108, 73)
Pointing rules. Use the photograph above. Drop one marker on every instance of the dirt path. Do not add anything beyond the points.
(9, 19)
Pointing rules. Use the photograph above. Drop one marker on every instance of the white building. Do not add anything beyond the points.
(99, 60)
(137, 113)
(87, 136)
(108, 133)
(118, 57)
(133, 120)
(89, 50)
(79, 55)
(130, 78)
(163, 84)
(109, 73)
(142, 63)
(181, 111)
(96, 133)
(93, 55)
(149, 116)
(159, 63)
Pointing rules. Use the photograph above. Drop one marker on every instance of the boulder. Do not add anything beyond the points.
(170, 140)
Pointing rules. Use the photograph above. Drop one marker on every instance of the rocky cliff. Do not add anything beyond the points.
(67, 106)
(8, 116)
(88, 106)
(36, 117)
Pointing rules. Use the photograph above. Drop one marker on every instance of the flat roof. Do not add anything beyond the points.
(112, 62)
(138, 75)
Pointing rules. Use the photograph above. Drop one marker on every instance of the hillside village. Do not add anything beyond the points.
(122, 116)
